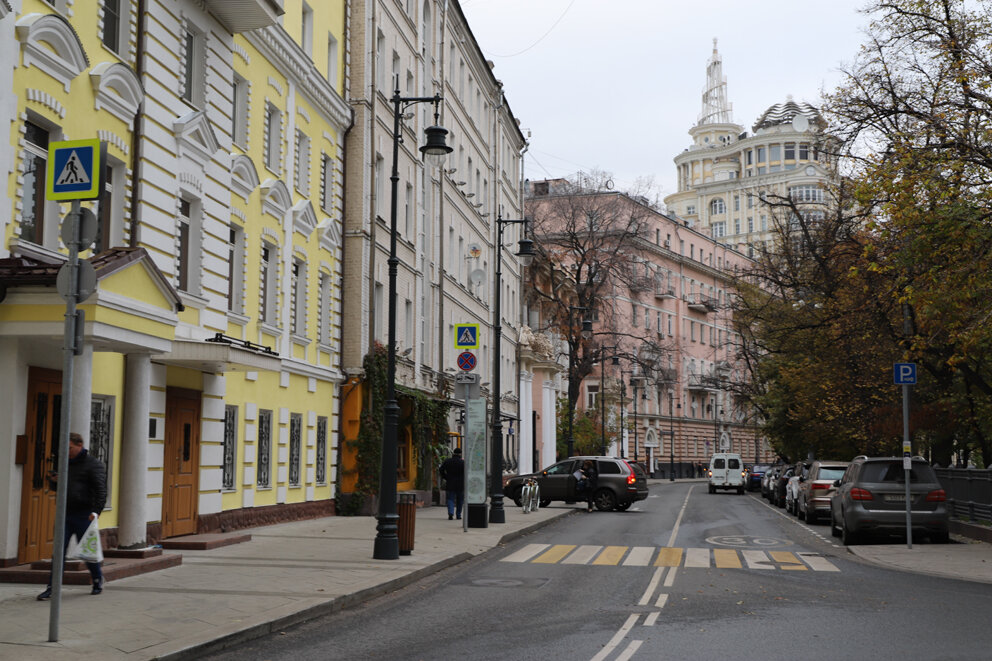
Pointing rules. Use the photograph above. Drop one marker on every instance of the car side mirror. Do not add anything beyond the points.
(544, 473)
(836, 483)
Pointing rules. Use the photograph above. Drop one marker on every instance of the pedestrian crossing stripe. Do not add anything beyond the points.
(689, 558)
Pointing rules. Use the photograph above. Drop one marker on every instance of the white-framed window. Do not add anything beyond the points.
(235, 269)
(306, 29)
(34, 206)
(379, 185)
(267, 283)
(717, 206)
(737, 202)
(273, 138)
(230, 447)
(114, 31)
(193, 72)
(295, 448)
(806, 193)
(737, 225)
(188, 245)
(719, 229)
(592, 394)
(302, 174)
(324, 287)
(298, 322)
(239, 111)
(408, 213)
(379, 312)
(326, 183)
(690, 209)
(332, 60)
(750, 224)
(320, 470)
(263, 466)
(109, 209)
(380, 63)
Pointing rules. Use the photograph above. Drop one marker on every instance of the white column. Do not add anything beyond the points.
(131, 530)
(549, 425)
(526, 458)
(82, 393)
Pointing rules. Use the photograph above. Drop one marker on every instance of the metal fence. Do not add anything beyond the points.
(969, 492)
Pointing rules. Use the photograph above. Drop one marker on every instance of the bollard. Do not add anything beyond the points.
(407, 510)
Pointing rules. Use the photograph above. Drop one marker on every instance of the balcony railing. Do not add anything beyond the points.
(701, 303)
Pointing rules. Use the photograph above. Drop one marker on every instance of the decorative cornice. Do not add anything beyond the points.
(50, 43)
(116, 87)
(195, 137)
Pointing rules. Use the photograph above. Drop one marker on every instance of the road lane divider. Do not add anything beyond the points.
(617, 638)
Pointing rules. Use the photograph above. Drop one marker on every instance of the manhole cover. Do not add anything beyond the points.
(498, 582)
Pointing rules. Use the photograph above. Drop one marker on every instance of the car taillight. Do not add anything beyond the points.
(632, 478)
(816, 486)
(860, 494)
(743, 473)
(936, 496)
(709, 473)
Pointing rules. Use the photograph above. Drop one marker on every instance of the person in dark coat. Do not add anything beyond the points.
(453, 473)
(86, 496)
(591, 478)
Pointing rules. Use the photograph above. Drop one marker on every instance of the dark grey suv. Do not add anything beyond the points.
(620, 483)
(871, 498)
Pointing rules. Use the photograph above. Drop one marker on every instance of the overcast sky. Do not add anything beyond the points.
(615, 85)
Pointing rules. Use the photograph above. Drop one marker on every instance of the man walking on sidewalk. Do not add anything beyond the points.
(453, 473)
(86, 496)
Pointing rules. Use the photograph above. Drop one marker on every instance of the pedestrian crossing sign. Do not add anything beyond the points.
(466, 336)
(75, 170)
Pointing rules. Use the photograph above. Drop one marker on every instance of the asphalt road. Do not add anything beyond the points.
(682, 575)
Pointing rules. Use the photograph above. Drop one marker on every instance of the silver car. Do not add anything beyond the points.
(814, 489)
(871, 498)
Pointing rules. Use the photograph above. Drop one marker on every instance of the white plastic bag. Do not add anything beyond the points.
(89, 548)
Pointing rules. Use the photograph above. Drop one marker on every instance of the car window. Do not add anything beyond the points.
(563, 467)
(608, 468)
(894, 472)
(759, 468)
(734, 463)
(719, 462)
(830, 473)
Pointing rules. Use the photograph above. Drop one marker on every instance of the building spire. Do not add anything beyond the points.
(716, 108)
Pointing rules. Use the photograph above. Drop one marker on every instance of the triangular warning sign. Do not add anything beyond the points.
(73, 173)
(467, 336)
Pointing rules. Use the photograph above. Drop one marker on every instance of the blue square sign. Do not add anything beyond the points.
(904, 374)
(74, 170)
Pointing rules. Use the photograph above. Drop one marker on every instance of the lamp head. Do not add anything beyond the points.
(587, 328)
(525, 252)
(436, 147)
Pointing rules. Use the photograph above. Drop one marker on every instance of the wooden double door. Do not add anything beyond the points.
(180, 479)
(44, 414)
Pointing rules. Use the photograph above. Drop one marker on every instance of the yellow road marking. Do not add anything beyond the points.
(611, 555)
(554, 554)
(787, 560)
(669, 557)
(726, 559)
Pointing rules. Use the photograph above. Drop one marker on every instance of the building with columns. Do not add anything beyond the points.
(208, 374)
(726, 175)
(446, 229)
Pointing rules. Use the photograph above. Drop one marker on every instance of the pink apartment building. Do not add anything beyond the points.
(668, 314)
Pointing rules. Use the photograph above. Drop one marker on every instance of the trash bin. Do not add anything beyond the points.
(407, 510)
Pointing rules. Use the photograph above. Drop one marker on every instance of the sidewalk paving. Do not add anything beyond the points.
(292, 572)
(287, 573)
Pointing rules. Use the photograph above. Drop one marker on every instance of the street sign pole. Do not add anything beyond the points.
(904, 374)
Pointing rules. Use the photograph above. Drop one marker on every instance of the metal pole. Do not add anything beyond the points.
(907, 463)
(622, 437)
(571, 367)
(602, 401)
(634, 388)
(496, 512)
(61, 491)
(671, 448)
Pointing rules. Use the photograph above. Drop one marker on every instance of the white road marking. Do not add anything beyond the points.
(582, 555)
(639, 556)
(617, 638)
(646, 597)
(698, 558)
(662, 600)
(526, 553)
(678, 521)
(629, 652)
(651, 618)
(816, 562)
(757, 560)
(670, 579)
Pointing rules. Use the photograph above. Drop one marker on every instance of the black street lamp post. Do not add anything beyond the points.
(526, 253)
(386, 546)
(633, 388)
(621, 437)
(671, 448)
(586, 333)
(602, 394)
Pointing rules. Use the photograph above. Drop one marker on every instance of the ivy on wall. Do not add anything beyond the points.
(426, 414)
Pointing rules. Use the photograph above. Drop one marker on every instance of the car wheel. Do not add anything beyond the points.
(712, 489)
(604, 500)
(623, 507)
(940, 537)
(847, 536)
(545, 502)
(740, 491)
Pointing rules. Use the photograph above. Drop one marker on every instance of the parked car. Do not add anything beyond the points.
(871, 499)
(768, 479)
(799, 473)
(755, 475)
(620, 483)
(777, 488)
(815, 488)
(726, 471)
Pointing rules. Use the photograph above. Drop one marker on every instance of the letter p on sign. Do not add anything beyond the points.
(904, 374)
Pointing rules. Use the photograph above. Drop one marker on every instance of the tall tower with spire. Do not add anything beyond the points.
(716, 108)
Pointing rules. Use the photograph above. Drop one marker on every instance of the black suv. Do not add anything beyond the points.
(620, 483)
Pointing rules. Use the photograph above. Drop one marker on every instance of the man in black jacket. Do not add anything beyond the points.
(86, 496)
(453, 473)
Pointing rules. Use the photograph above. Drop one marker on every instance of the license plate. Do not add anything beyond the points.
(895, 498)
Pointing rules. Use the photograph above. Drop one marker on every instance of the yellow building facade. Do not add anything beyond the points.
(209, 376)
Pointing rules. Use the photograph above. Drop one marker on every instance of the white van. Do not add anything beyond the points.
(726, 472)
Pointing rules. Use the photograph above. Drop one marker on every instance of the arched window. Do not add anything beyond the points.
(717, 206)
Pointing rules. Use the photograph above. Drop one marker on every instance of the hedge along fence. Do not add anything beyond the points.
(969, 492)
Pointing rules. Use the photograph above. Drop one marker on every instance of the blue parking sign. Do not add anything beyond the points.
(904, 374)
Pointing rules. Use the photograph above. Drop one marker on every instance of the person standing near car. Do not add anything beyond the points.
(453, 473)
(86, 496)
(591, 477)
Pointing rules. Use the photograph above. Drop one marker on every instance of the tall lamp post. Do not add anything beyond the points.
(633, 388)
(622, 440)
(586, 333)
(602, 395)
(526, 254)
(386, 546)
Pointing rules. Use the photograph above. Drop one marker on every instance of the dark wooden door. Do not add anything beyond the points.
(180, 488)
(44, 411)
